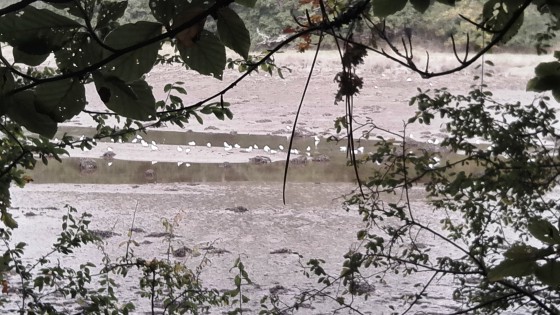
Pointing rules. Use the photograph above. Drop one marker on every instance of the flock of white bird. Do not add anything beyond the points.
(153, 146)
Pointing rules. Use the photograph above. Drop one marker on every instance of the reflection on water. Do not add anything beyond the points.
(134, 172)
(138, 172)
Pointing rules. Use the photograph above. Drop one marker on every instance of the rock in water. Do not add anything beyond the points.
(259, 159)
(87, 165)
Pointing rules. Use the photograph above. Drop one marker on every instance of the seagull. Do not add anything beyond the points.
(82, 138)
(188, 164)
(153, 142)
(109, 163)
(237, 146)
(139, 137)
(249, 149)
(113, 140)
(134, 140)
(109, 149)
(408, 80)
(361, 149)
(256, 147)
(209, 145)
(179, 163)
(187, 150)
(154, 162)
(153, 147)
(308, 154)
(343, 149)
(308, 149)
(226, 144)
(228, 148)
(266, 149)
(192, 143)
(120, 140)
(281, 147)
(317, 140)
(294, 151)
(179, 149)
(144, 143)
(273, 151)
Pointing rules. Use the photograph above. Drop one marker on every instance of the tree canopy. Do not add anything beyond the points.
(491, 182)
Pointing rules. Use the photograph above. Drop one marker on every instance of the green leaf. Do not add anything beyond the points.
(163, 10)
(79, 53)
(110, 11)
(420, 5)
(498, 13)
(20, 108)
(383, 8)
(511, 268)
(132, 66)
(233, 32)
(247, 3)
(7, 82)
(133, 100)
(8, 220)
(547, 79)
(61, 100)
(207, 56)
(544, 231)
(36, 31)
(521, 252)
(29, 59)
(549, 273)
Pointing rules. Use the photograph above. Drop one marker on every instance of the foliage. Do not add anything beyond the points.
(501, 223)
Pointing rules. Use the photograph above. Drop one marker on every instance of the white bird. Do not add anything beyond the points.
(226, 144)
(109, 149)
(228, 148)
(179, 149)
(256, 147)
(281, 147)
(113, 140)
(120, 140)
(187, 150)
(188, 164)
(289, 127)
(266, 149)
(93, 140)
(82, 138)
(192, 143)
(153, 142)
(237, 146)
(308, 149)
(153, 147)
(361, 149)
(408, 79)
(109, 163)
(317, 140)
(308, 154)
(179, 163)
(343, 149)
(139, 137)
(249, 149)
(209, 145)
(273, 151)
(134, 140)
(154, 162)
(144, 143)
(294, 151)
(436, 159)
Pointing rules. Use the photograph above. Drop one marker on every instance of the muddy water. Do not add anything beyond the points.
(312, 223)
